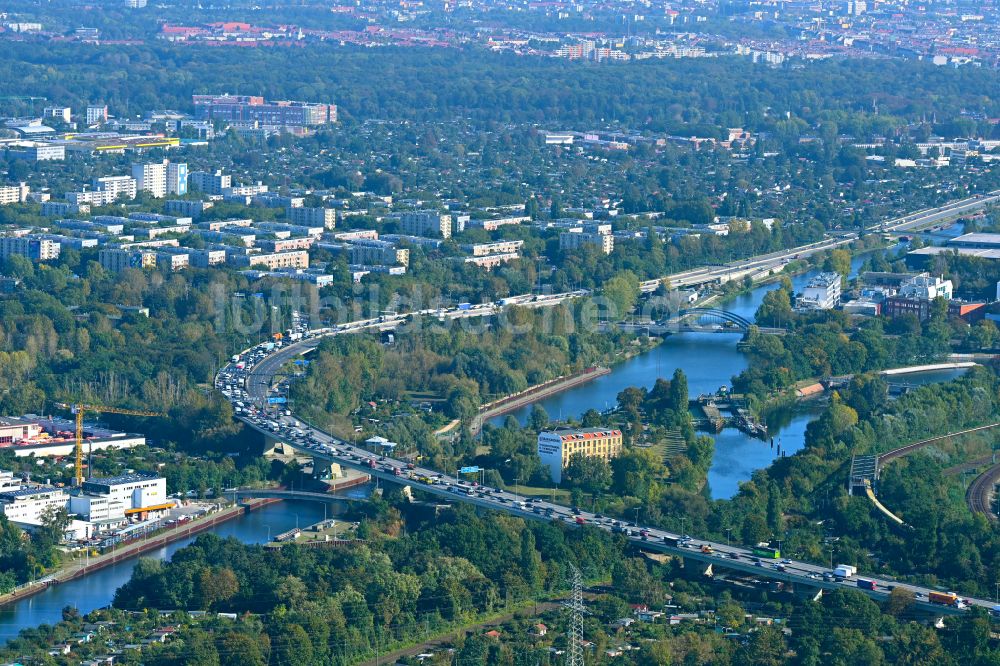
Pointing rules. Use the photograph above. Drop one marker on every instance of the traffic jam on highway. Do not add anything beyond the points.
(251, 396)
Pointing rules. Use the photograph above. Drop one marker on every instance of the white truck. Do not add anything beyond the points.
(844, 571)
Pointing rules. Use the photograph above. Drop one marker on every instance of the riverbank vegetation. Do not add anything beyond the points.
(830, 343)
(297, 606)
(448, 370)
(802, 499)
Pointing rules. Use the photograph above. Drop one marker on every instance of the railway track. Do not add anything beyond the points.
(980, 493)
(910, 448)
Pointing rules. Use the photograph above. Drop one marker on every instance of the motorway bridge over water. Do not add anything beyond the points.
(258, 378)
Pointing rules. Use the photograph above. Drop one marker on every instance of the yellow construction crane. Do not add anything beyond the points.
(78, 410)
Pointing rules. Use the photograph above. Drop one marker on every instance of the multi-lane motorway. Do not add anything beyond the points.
(249, 380)
(763, 263)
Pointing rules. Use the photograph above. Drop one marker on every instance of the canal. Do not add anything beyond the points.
(710, 361)
(98, 589)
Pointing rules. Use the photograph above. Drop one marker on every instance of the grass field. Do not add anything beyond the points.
(555, 494)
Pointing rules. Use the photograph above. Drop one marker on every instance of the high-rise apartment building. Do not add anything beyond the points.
(211, 183)
(97, 114)
(177, 178)
(161, 178)
(425, 223)
(151, 178)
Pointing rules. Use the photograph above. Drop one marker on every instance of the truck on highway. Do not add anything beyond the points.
(580, 520)
(946, 599)
(866, 584)
(705, 548)
(465, 306)
(844, 571)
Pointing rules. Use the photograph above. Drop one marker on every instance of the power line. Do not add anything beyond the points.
(574, 654)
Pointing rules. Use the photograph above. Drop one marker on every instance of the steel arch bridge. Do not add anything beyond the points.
(716, 314)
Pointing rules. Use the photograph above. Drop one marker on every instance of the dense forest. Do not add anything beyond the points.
(420, 85)
(77, 337)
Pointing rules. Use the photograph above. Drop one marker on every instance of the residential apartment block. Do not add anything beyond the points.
(36, 249)
(426, 223)
(498, 247)
(211, 183)
(161, 178)
(378, 253)
(591, 234)
(11, 194)
(312, 217)
(116, 260)
(274, 260)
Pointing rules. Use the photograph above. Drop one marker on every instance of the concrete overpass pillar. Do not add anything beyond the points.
(274, 447)
(323, 469)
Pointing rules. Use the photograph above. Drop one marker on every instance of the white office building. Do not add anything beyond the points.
(821, 293)
(28, 506)
(926, 288)
(133, 494)
(96, 508)
(61, 113)
(556, 448)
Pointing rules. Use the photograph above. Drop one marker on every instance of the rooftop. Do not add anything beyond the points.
(976, 239)
(28, 492)
(124, 478)
(584, 433)
(933, 250)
